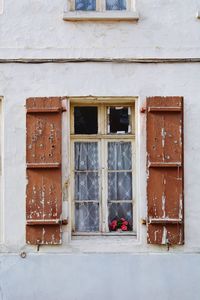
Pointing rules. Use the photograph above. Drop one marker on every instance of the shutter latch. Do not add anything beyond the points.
(46, 222)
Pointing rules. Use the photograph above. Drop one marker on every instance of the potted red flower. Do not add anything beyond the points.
(119, 224)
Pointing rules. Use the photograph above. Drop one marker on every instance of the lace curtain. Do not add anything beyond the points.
(120, 163)
(120, 180)
(87, 183)
(86, 186)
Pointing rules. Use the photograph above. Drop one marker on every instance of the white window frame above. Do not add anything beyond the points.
(101, 14)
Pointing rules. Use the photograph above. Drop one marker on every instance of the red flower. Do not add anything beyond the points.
(113, 224)
(122, 219)
(125, 223)
(124, 228)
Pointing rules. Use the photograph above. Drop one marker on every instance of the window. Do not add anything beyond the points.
(89, 5)
(79, 10)
(103, 168)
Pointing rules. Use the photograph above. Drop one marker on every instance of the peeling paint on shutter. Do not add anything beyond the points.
(165, 170)
(43, 157)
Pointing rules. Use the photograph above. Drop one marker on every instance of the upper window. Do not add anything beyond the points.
(100, 9)
(88, 5)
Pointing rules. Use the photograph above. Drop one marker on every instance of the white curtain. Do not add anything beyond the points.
(120, 179)
(86, 186)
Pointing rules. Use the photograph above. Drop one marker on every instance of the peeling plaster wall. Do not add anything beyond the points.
(35, 28)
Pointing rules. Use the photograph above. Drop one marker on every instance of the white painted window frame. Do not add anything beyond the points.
(1, 6)
(1, 174)
(101, 14)
(102, 138)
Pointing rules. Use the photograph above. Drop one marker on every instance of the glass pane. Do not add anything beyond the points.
(85, 120)
(118, 211)
(119, 120)
(119, 156)
(120, 186)
(87, 217)
(85, 5)
(115, 4)
(86, 186)
(86, 160)
(86, 156)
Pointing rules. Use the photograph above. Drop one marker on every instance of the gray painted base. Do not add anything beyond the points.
(100, 276)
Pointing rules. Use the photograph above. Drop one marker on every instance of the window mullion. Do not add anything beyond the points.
(99, 5)
(104, 187)
(103, 5)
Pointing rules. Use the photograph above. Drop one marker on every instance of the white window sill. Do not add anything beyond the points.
(98, 234)
(74, 16)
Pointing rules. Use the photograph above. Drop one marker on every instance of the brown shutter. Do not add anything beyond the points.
(43, 157)
(165, 170)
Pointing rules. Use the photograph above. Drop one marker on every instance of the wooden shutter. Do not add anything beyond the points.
(43, 157)
(165, 170)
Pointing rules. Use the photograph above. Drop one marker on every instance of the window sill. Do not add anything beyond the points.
(74, 16)
(86, 234)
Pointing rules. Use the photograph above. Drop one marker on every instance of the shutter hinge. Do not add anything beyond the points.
(143, 110)
(143, 221)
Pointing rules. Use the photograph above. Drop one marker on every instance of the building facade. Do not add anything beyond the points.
(99, 149)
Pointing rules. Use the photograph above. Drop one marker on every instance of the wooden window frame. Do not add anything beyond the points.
(102, 138)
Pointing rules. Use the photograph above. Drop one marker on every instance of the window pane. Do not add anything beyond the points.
(119, 156)
(87, 217)
(120, 210)
(86, 160)
(85, 120)
(119, 120)
(86, 186)
(86, 156)
(115, 4)
(85, 5)
(120, 186)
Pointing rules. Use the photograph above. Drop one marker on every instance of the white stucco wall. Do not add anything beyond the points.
(35, 29)
(19, 82)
